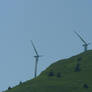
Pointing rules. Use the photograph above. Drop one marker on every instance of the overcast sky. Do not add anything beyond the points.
(50, 24)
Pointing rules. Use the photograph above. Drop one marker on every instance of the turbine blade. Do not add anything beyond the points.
(34, 48)
(80, 37)
(41, 56)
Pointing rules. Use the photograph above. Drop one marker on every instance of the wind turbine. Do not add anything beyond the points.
(36, 59)
(85, 45)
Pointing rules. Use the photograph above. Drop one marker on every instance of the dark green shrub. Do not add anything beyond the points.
(58, 74)
(51, 73)
(77, 68)
(20, 83)
(9, 88)
(79, 59)
(85, 86)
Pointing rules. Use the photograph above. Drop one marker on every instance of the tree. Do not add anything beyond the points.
(51, 73)
(58, 74)
(79, 59)
(9, 88)
(77, 68)
(20, 83)
(85, 86)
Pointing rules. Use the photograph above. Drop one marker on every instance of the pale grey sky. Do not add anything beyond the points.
(50, 24)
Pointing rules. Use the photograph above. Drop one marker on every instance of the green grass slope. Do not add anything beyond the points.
(70, 81)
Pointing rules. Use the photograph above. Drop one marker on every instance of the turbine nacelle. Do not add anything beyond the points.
(36, 56)
(86, 44)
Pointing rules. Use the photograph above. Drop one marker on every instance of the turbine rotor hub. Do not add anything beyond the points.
(85, 45)
(36, 56)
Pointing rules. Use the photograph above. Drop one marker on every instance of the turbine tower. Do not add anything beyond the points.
(36, 59)
(85, 45)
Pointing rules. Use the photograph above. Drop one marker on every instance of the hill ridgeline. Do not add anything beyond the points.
(69, 75)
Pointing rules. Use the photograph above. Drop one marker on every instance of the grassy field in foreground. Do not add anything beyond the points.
(62, 77)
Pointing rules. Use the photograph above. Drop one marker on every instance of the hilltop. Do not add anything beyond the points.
(69, 75)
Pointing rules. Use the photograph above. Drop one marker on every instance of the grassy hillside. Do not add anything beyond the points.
(62, 76)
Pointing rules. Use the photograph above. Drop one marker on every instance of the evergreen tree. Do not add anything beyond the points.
(85, 86)
(9, 88)
(51, 73)
(58, 74)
